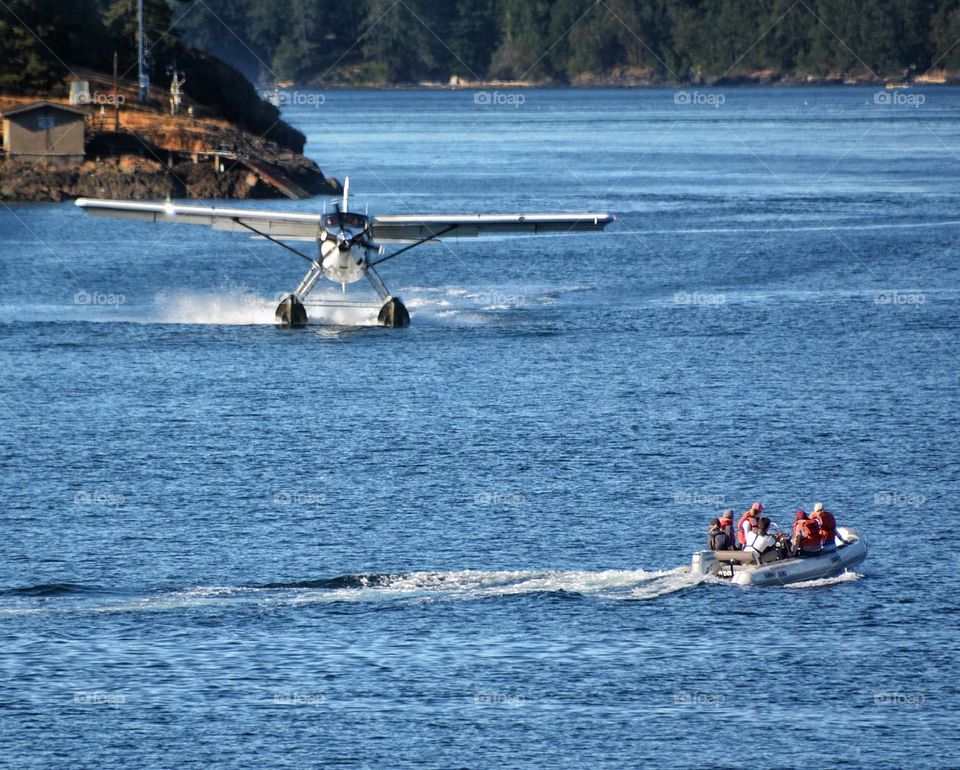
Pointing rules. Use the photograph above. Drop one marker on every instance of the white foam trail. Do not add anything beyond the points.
(475, 306)
(414, 587)
(342, 316)
(668, 583)
(230, 308)
(198, 596)
(846, 577)
(467, 585)
(233, 307)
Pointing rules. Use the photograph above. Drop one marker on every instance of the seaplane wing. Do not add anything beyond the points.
(286, 226)
(296, 226)
(404, 228)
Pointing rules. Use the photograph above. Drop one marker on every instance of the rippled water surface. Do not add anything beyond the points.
(462, 544)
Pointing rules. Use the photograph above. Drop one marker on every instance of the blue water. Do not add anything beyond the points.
(462, 544)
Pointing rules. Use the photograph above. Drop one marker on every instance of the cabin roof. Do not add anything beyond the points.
(40, 105)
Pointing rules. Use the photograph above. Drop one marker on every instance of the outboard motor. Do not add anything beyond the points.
(705, 563)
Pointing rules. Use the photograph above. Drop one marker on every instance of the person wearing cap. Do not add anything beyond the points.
(806, 535)
(828, 527)
(726, 524)
(747, 522)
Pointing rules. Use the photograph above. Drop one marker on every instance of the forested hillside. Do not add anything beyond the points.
(44, 41)
(565, 40)
(404, 41)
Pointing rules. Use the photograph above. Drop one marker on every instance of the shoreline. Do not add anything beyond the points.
(631, 80)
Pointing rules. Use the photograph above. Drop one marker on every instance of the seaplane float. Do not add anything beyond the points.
(350, 245)
(744, 568)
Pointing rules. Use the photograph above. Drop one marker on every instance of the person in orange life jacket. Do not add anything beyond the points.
(747, 522)
(806, 535)
(726, 524)
(758, 542)
(828, 527)
(717, 539)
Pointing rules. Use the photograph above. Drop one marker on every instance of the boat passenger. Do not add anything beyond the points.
(726, 524)
(717, 539)
(760, 543)
(806, 535)
(828, 527)
(747, 522)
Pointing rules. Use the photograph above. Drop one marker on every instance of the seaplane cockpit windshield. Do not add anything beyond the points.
(346, 220)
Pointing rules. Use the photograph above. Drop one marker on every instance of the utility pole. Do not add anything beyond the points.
(116, 94)
(142, 79)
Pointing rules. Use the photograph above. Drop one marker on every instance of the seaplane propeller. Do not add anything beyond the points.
(349, 245)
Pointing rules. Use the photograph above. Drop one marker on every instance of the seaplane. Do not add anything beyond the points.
(350, 246)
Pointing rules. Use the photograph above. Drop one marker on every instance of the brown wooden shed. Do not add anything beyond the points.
(45, 132)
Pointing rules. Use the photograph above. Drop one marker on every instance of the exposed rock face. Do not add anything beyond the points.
(128, 168)
(154, 156)
(134, 178)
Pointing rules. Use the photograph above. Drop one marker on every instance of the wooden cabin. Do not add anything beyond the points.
(44, 133)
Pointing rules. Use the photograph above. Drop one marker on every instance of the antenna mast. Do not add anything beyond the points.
(142, 81)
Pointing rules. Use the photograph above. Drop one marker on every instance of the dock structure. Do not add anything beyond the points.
(275, 177)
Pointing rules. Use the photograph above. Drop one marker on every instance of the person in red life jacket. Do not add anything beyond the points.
(717, 538)
(828, 527)
(747, 522)
(806, 535)
(726, 524)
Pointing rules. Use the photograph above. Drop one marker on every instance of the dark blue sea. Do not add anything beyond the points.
(463, 544)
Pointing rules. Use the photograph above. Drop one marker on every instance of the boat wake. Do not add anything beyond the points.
(846, 577)
(371, 588)
(469, 585)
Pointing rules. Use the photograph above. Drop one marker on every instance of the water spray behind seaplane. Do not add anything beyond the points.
(349, 245)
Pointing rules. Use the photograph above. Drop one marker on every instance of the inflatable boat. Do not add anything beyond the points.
(743, 569)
